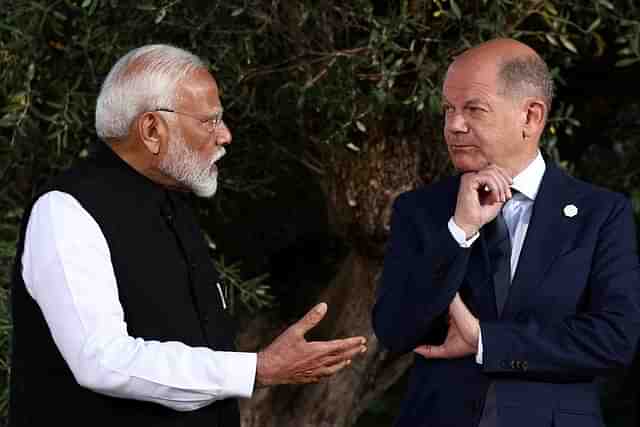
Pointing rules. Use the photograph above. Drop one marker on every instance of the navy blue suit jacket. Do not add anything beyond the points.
(573, 311)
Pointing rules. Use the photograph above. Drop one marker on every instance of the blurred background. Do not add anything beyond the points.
(335, 110)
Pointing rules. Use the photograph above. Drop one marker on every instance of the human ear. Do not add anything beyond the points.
(534, 116)
(152, 131)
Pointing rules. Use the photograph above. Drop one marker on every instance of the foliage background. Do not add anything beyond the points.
(298, 77)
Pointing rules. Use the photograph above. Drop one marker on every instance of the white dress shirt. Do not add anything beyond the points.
(67, 270)
(517, 214)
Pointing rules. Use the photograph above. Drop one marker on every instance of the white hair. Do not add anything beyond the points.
(185, 165)
(144, 79)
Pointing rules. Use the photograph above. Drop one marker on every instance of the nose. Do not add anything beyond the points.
(455, 123)
(223, 134)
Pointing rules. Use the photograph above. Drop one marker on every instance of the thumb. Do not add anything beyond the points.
(312, 318)
(430, 351)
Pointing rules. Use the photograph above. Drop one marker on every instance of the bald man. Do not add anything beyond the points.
(515, 284)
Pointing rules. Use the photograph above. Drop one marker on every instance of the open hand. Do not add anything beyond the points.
(462, 336)
(291, 359)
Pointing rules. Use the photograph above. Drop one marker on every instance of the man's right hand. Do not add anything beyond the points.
(480, 197)
(290, 359)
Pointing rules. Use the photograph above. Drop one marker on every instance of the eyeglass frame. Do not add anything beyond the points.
(216, 121)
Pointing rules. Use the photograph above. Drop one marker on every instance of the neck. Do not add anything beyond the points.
(522, 164)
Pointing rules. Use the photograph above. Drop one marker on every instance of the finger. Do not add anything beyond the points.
(505, 178)
(332, 369)
(422, 350)
(332, 359)
(503, 185)
(431, 351)
(339, 345)
(489, 182)
(311, 319)
(504, 173)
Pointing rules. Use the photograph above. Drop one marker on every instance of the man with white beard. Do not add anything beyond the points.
(117, 309)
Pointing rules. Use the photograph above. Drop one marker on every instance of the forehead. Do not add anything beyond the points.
(198, 90)
(468, 79)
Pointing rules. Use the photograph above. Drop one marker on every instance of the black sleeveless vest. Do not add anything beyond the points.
(167, 288)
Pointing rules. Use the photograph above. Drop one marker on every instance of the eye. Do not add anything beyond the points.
(475, 109)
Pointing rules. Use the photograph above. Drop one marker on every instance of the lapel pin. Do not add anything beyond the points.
(570, 211)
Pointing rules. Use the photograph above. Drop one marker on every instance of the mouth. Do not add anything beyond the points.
(461, 147)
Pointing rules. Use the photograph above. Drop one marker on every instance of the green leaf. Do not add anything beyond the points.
(59, 15)
(237, 12)
(455, 9)
(568, 44)
(551, 39)
(626, 62)
(146, 7)
(607, 4)
(550, 8)
(161, 14)
(595, 24)
(353, 147)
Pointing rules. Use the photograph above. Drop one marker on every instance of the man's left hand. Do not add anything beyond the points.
(462, 337)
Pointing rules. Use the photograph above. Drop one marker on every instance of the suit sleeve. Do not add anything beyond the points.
(423, 269)
(599, 337)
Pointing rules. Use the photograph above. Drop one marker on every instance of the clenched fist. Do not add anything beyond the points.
(480, 197)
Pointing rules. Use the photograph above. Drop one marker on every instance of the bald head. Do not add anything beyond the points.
(520, 72)
(496, 98)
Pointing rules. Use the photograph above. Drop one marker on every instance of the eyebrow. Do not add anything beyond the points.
(476, 101)
(445, 101)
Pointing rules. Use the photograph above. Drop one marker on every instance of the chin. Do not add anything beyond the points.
(465, 164)
(205, 189)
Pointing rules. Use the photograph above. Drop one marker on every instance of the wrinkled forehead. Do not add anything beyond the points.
(470, 75)
(198, 90)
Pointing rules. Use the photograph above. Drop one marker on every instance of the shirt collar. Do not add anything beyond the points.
(528, 181)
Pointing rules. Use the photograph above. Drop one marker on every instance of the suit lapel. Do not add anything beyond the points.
(546, 237)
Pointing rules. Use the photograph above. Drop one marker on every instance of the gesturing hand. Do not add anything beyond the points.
(480, 197)
(290, 359)
(462, 337)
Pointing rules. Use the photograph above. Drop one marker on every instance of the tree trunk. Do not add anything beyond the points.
(339, 400)
(360, 191)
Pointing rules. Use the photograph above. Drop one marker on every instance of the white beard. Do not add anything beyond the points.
(184, 165)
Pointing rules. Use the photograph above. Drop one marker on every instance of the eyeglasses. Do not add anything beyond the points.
(210, 124)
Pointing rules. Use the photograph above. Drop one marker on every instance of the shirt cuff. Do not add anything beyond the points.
(241, 373)
(460, 236)
(479, 353)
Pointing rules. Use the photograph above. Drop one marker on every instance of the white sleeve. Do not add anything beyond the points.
(67, 270)
(480, 350)
(459, 235)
